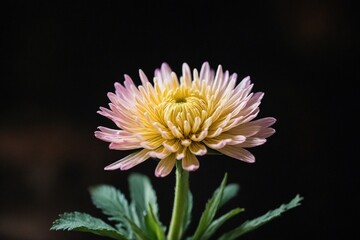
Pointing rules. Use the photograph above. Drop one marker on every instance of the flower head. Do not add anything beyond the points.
(178, 120)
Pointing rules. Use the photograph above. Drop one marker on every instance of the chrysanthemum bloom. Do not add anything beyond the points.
(178, 120)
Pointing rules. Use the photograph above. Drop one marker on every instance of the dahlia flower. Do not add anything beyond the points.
(179, 119)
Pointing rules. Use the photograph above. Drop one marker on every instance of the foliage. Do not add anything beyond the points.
(139, 219)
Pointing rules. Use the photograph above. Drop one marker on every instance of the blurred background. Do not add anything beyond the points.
(60, 58)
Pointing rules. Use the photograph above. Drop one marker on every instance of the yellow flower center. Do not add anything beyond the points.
(180, 100)
(183, 105)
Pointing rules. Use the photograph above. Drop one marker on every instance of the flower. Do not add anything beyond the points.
(178, 120)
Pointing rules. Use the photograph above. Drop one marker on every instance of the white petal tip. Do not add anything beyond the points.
(160, 175)
(110, 168)
(191, 168)
(273, 120)
(249, 160)
(201, 152)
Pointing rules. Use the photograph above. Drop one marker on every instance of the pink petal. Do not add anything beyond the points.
(241, 120)
(121, 91)
(256, 98)
(128, 83)
(205, 72)
(228, 86)
(236, 139)
(237, 152)
(115, 131)
(143, 78)
(111, 135)
(248, 117)
(252, 142)
(163, 74)
(186, 74)
(246, 131)
(216, 143)
(265, 132)
(129, 161)
(245, 82)
(218, 78)
(264, 122)
(125, 144)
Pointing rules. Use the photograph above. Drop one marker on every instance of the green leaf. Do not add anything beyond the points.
(251, 225)
(83, 222)
(230, 192)
(138, 232)
(188, 209)
(110, 200)
(216, 224)
(210, 210)
(154, 228)
(113, 204)
(134, 215)
(142, 194)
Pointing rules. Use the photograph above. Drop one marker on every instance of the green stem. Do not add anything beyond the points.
(180, 203)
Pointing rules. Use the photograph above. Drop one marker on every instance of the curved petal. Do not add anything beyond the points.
(119, 139)
(160, 153)
(186, 75)
(190, 162)
(124, 145)
(265, 132)
(163, 74)
(197, 148)
(264, 122)
(129, 161)
(205, 73)
(237, 152)
(165, 166)
(143, 77)
(246, 131)
(217, 143)
(112, 135)
(152, 143)
(252, 142)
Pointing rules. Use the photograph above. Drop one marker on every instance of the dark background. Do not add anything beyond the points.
(60, 58)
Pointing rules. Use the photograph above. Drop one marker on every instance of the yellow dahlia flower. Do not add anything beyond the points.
(178, 120)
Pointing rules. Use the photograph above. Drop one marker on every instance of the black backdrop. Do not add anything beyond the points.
(60, 58)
